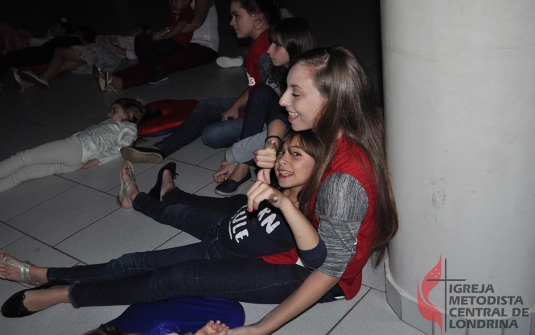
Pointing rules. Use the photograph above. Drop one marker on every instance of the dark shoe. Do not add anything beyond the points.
(158, 77)
(143, 155)
(155, 191)
(14, 306)
(229, 186)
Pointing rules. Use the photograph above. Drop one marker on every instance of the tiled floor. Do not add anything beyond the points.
(72, 219)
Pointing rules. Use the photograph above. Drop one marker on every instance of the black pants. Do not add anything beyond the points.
(148, 49)
(36, 55)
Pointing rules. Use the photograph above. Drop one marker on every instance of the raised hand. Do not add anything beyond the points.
(265, 158)
(261, 191)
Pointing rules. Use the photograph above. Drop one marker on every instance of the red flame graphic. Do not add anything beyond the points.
(426, 308)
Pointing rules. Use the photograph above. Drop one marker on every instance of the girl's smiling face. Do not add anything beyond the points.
(117, 113)
(302, 99)
(294, 166)
(242, 21)
(278, 54)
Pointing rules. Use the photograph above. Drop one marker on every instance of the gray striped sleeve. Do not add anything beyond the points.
(341, 205)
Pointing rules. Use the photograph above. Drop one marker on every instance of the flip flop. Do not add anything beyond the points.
(126, 186)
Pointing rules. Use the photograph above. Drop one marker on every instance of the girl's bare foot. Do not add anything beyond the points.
(11, 272)
(116, 82)
(167, 182)
(37, 300)
(130, 188)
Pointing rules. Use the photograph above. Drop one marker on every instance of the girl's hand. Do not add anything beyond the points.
(261, 191)
(90, 163)
(266, 158)
(224, 171)
(230, 113)
(159, 34)
(107, 38)
(212, 327)
(98, 38)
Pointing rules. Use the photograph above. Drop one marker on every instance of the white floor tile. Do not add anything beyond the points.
(373, 316)
(194, 153)
(121, 232)
(8, 234)
(64, 215)
(29, 194)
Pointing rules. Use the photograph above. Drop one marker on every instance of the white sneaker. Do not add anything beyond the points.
(229, 62)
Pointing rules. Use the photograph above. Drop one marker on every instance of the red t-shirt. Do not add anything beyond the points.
(185, 14)
(257, 48)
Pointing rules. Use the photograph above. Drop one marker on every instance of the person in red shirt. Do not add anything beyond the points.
(168, 40)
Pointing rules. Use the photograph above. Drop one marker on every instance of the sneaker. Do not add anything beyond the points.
(31, 77)
(230, 187)
(142, 155)
(14, 78)
(229, 62)
(158, 77)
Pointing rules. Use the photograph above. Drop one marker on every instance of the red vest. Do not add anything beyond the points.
(349, 158)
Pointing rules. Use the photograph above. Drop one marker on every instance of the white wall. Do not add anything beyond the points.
(459, 88)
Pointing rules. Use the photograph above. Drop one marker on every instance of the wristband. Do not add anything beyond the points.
(168, 30)
(273, 136)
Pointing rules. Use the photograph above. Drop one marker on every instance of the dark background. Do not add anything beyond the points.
(355, 23)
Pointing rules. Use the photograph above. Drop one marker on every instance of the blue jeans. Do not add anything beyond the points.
(192, 270)
(204, 120)
(262, 108)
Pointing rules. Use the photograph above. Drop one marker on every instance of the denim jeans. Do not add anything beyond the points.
(262, 108)
(207, 112)
(148, 49)
(192, 270)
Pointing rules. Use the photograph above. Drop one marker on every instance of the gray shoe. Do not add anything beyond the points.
(143, 155)
(158, 77)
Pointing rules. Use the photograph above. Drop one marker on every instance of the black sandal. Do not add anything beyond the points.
(155, 191)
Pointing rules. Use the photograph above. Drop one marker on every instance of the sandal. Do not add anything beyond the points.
(14, 78)
(100, 81)
(126, 186)
(103, 84)
(108, 87)
(24, 271)
(31, 77)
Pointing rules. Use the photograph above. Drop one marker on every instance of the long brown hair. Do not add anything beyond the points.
(350, 110)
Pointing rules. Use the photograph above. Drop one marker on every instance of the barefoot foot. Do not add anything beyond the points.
(41, 299)
(167, 182)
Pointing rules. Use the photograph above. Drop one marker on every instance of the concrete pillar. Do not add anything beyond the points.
(459, 88)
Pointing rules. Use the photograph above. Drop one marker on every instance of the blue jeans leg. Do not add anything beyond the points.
(244, 279)
(262, 108)
(206, 112)
(135, 263)
(195, 221)
(222, 134)
(228, 205)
